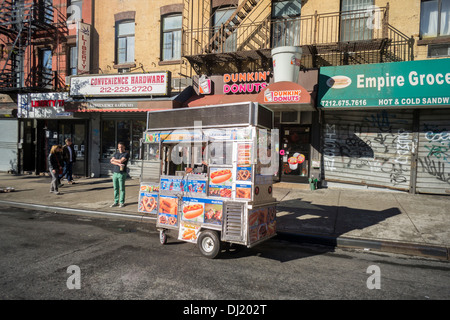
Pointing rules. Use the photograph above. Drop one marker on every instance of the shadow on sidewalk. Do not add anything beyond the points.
(305, 223)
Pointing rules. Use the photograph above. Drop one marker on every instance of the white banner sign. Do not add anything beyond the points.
(132, 84)
(42, 105)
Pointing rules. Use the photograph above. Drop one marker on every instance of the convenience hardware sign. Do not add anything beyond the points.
(397, 84)
(130, 84)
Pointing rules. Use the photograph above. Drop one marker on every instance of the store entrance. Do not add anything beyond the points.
(295, 153)
(57, 131)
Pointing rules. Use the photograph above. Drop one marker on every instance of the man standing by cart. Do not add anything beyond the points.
(119, 162)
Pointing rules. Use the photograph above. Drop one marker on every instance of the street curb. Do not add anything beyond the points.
(77, 211)
(429, 251)
(436, 252)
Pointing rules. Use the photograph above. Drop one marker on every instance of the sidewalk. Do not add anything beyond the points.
(381, 221)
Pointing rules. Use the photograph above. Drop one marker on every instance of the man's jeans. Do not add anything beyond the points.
(119, 186)
(68, 171)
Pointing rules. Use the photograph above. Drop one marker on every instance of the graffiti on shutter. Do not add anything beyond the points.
(433, 164)
(371, 148)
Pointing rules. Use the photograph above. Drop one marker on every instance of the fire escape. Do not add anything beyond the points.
(244, 41)
(31, 36)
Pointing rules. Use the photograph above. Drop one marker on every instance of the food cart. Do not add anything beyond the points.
(207, 173)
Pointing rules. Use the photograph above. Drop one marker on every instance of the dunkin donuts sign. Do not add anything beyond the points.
(284, 92)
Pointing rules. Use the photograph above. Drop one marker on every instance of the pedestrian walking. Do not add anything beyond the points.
(55, 167)
(69, 157)
(119, 162)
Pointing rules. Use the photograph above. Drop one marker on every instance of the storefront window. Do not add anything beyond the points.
(108, 138)
(123, 133)
(127, 131)
(286, 25)
(138, 131)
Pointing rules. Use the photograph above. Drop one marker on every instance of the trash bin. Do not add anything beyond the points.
(312, 183)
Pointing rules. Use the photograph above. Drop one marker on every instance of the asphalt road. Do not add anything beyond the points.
(67, 257)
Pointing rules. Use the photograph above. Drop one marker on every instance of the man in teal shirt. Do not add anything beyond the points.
(119, 162)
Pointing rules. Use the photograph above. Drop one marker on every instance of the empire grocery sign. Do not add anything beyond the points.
(403, 84)
(131, 84)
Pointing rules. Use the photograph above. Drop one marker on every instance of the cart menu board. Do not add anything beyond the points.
(244, 153)
(202, 210)
(243, 191)
(220, 182)
(168, 211)
(243, 174)
(261, 223)
(244, 182)
(148, 198)
(188, 232)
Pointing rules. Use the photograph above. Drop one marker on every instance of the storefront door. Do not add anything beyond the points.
(295, 153)
(28, 140)
(77, 132)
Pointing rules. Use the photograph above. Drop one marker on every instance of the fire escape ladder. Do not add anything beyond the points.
(24, 25)
(227, 29)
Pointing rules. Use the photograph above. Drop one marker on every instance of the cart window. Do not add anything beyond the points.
(220, 153)
(267, 152)
(151, 163)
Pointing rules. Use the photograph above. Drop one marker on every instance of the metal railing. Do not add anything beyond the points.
(364, 29)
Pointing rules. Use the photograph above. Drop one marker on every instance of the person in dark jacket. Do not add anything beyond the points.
(55, 166)
(69, 158)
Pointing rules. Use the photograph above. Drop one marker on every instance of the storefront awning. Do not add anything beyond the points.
(280, 96)
(8, 110)
(129, 104)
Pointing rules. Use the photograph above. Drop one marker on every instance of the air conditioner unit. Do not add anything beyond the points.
(290, 117)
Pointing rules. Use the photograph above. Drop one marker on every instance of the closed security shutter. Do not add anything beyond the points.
(8, 144)
(433, 164)
(371, 148)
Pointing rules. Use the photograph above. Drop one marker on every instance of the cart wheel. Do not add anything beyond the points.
(162, 237)
(209, 243)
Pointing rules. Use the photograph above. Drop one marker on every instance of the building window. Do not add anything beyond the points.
(127, 131)
(434, 18)
(45, 68)
(125, 42)
(220, 17)
(286, 23)
(354, 17)
(438, 50)
(73, 65)
(171, 37)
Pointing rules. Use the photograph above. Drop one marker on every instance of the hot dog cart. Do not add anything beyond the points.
(207, 173)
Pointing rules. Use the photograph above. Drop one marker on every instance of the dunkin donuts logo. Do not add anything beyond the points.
(282, 96)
